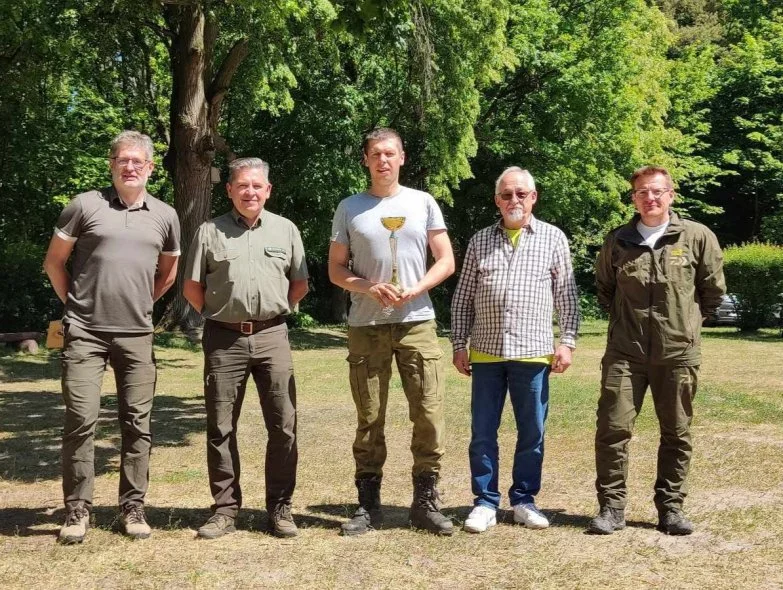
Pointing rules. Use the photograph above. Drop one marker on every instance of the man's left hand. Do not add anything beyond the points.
(562, 359)
(408, 295)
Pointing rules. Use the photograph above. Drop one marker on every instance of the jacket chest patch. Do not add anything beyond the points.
(678, 257)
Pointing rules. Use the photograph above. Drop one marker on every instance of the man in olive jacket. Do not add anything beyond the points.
(658, 276)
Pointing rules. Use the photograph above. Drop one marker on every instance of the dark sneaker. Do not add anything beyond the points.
(75, 527)
(281, 523)
(673, 522)
(217, 526)
(608, 521)
(134, 523)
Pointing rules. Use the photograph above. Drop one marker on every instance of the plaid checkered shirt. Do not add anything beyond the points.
(505, 296)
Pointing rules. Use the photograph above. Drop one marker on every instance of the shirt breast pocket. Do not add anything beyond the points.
(223, 264)
(224, 255)
(277, 259)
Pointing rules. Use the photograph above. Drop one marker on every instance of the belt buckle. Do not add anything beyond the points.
(246, 328)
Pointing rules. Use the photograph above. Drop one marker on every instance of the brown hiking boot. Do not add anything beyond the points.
(673, 522)
(281, 522)
(608, 521)
(217, 526)
(425, 509)
(134, 523)
(368, 515)
(77, 521)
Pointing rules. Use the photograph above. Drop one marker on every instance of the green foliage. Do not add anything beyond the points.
(754, 273)
(28, 302)
(302, 320)
(590, 308)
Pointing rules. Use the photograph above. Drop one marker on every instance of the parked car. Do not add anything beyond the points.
(726, 314)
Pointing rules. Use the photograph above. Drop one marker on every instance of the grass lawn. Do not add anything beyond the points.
(736, 486)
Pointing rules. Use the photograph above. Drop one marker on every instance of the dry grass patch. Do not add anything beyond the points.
(736, 498)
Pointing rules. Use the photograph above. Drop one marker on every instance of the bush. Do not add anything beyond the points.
(300, 319)
(754, 273)
(27, 301)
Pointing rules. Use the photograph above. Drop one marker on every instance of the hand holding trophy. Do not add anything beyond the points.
(393, 224)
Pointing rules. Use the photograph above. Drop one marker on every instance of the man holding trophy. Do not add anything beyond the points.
(378, 252)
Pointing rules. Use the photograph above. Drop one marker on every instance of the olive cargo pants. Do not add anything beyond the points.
(417, 352)
(623, 386)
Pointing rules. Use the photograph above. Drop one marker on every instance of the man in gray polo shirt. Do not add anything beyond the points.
(125, 246)
(245, 271)
(378, 236)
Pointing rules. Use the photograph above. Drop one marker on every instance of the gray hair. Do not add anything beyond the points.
(132, 138)
(256, 163)
(525, 174)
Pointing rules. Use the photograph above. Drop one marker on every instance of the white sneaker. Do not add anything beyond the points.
(530, 516)
(480, 519)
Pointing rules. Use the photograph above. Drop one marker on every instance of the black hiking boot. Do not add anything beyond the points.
(368, 515)
(608, 521)
(425, 509)
(673, 522)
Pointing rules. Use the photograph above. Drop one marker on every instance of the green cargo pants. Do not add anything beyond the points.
(623, 386)
(84, 359)
(417, 352)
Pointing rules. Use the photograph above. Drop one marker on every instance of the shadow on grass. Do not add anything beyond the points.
(31, 431)
(766, 335)
(394, 517)
(29, 522)
(21, 367)
(45, 366)
(310, 340)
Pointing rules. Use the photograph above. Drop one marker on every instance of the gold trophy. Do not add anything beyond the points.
(393, 224)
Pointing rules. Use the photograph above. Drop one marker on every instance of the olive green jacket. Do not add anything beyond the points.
(657, 298)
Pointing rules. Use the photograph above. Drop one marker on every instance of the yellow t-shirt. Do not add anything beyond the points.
(477, 356)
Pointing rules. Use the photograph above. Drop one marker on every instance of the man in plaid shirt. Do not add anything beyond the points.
(514, 275)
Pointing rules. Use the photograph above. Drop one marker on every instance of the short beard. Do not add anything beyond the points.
(515, 215)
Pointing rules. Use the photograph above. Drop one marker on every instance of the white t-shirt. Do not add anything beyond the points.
(651, 234)
(357, 224)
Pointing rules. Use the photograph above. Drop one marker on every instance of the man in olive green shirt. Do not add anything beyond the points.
(245, 271)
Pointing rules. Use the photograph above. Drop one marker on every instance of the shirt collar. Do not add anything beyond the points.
(114, 197)
(241, 220)
(532, 225)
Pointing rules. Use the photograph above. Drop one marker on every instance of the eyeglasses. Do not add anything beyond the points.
(123, 162)
(520, 195)
(655, 193)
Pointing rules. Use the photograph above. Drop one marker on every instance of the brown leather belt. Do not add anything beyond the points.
(251, 326)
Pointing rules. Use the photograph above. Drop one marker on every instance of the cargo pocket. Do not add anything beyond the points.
(359, 375)
(430, 371)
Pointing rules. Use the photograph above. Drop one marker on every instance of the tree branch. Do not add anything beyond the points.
(222, 81)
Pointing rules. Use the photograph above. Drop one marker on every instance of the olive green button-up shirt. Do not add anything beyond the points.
(246, 271)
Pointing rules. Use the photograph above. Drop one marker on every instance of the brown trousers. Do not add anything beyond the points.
(229, 359)
(84, 360)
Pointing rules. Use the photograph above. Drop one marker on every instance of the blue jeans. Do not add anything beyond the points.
(528, 386)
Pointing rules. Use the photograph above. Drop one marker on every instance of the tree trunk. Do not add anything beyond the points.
(190, 155)
(196, 101)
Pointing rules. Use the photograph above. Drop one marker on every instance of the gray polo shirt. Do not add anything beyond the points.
(246, 271)
(114, 259)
